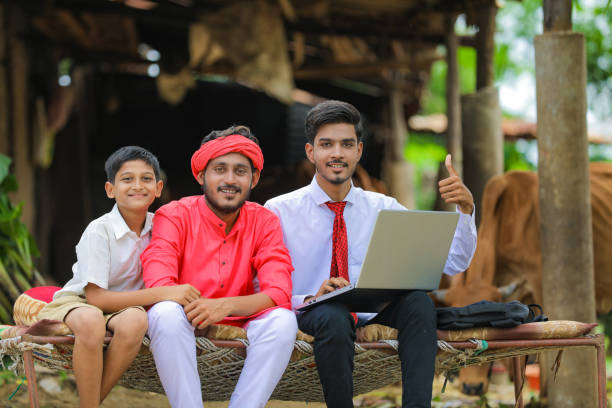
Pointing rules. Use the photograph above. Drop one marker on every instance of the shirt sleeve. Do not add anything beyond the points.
(160, 260)
(93, 258)
(464, 244)
(273, 263)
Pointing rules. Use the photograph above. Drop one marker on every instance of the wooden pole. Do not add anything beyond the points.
(557, 15)
(453, 103)
(398, 171)
(485, 46)
(483, 141)
(20, 115)
(564, 192)
(4, 95)
(483, 146)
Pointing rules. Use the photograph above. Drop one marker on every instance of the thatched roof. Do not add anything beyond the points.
(267, 44)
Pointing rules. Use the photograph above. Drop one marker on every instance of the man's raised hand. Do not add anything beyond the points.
(453, 191)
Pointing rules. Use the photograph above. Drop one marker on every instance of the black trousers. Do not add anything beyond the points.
(333, 328)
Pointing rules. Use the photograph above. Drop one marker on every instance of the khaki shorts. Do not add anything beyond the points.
(59, 308)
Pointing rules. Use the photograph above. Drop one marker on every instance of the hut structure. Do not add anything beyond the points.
(81, 78)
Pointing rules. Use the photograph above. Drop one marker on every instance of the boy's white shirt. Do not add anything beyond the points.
(108, 255)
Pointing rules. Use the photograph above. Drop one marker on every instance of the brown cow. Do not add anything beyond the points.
(508, 249)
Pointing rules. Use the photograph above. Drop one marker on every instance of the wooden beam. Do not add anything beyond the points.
(371, 30)
(361, 70)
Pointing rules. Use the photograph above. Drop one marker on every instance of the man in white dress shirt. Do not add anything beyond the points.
(326, 227)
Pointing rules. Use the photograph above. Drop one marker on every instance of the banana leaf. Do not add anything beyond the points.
(17, 247)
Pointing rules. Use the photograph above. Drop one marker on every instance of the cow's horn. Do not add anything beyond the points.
(439, 294)
(508, 289)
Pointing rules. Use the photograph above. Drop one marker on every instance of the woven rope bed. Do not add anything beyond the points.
(376, 362)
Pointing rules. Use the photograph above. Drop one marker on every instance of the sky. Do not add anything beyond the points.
(518, 94)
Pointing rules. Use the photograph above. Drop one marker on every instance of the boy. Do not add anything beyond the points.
(106, 291)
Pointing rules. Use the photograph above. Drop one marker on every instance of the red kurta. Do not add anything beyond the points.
(189, 245)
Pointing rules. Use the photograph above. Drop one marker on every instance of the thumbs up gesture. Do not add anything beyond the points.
(452, 189)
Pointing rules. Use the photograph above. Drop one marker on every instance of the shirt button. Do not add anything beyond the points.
(224, 241)
(222, 285)
(220, 225)
(223, 263)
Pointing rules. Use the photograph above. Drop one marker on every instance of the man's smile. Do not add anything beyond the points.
(337, 165)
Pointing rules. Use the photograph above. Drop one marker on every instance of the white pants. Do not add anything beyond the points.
(271, 339)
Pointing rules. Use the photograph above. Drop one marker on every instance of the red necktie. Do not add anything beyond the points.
(339, 264)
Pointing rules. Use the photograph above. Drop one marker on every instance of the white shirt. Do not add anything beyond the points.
(308, 227)
(108, 255)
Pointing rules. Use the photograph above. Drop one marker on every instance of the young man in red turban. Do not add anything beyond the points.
(220, 243)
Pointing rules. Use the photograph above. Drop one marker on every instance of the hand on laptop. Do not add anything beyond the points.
(331, 284)
(452, 189)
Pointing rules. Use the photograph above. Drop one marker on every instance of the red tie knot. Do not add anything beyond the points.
(337, 207)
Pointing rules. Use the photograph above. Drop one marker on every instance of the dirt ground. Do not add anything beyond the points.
(59, 390)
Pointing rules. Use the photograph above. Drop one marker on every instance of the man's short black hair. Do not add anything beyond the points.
(129, 153)
(330, 112)
(232, 130)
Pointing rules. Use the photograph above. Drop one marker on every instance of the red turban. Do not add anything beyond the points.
(224, 145)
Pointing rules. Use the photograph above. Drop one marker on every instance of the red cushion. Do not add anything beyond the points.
(42, 293)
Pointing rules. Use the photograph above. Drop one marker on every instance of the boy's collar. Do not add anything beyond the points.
(120, 227)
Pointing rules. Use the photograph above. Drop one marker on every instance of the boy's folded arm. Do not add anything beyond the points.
(110, 301)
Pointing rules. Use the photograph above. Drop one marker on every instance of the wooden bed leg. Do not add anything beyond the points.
(517, 365)
(601, 374)
(28, 364)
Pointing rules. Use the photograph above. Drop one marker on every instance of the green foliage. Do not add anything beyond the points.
(517, 23)
(425, 152)
(515, 157)
(7, 377)
(17, 271)
(435, 96)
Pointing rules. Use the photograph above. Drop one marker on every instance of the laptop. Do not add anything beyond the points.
(407, 251)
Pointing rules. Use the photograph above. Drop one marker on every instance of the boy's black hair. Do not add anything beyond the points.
(232, 130)
(128, 153)
(330, 112)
